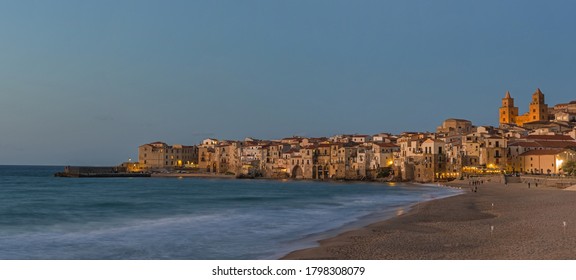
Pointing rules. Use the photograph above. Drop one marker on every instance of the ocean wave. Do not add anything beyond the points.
(160, 219)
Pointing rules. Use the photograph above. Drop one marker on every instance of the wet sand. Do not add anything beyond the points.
(523, 223)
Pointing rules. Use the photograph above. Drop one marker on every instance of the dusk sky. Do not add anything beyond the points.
(87, 82)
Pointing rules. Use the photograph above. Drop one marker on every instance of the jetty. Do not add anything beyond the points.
(98, 171)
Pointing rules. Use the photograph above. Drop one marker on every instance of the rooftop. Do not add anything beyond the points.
(386, 145)
(525, 144)
(550, 152)
(550, 137)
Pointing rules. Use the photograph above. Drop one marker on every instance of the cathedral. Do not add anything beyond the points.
(538, 110)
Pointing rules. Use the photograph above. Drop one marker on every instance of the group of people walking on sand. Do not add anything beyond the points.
(535, 184)
(475, 183)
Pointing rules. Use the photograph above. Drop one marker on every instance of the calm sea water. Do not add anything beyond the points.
(43, 217)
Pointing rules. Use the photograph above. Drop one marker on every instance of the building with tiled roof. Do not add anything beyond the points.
(545, 161)
(159, 155)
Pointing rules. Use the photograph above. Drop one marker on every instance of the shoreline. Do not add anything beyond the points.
(369, 219)
(498, 222)
(191, 175)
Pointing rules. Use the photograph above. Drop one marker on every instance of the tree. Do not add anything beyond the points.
(569, 168)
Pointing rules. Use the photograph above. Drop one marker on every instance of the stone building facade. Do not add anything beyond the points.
(159, 155)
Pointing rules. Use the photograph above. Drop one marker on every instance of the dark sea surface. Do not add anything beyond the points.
(44, 217)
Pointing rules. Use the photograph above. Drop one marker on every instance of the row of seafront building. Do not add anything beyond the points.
(338, 157)
(457, 148)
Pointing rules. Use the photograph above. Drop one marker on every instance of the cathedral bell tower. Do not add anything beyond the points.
(538, 108)
(508, 112)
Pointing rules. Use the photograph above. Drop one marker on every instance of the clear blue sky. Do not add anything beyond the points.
(86, 82)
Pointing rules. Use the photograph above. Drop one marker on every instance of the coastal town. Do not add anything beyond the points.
(539, 142)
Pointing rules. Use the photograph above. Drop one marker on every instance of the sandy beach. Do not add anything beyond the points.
(498, 222)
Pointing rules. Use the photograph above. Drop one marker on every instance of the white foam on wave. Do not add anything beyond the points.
(221, 229)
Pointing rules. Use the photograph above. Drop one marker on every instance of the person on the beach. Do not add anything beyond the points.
(528, 184)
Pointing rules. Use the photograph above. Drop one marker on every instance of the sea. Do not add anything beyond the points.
(46, 217)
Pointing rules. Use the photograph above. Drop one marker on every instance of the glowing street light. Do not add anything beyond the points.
(559, 163)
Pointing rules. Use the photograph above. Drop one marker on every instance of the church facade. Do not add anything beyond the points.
(538, 110)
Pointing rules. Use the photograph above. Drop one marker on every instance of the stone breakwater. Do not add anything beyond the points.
(97, 171)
